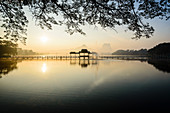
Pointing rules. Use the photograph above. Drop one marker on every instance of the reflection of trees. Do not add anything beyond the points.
(7, 66)
(161, 65)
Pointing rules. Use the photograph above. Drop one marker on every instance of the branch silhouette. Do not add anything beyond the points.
(76, 13)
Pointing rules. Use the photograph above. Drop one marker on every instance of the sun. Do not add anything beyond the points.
(44, 39)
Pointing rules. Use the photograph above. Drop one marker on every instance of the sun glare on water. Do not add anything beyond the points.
(44, 68)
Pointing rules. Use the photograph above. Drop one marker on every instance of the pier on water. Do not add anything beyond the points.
(43, 57)
(84, 54)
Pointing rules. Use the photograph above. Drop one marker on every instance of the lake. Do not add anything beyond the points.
(57, 86)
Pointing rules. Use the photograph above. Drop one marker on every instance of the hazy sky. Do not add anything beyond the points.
(58, 40)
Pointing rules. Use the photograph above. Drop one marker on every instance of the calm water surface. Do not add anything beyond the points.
(75, 86)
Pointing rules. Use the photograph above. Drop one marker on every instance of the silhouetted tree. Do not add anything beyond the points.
(75, 13)
(7, 48)
(160, 49)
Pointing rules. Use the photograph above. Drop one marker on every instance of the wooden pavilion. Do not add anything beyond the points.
(84, 53)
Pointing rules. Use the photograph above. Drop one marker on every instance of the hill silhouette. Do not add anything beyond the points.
(160, 49)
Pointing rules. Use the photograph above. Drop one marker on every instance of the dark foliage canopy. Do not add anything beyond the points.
(76, 13)
(7, 48)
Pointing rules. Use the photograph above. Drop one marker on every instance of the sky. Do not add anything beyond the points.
(58, 41)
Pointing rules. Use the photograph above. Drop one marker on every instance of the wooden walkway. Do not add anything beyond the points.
(130, 57)
(125, 57)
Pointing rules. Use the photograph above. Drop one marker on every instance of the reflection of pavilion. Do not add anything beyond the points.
(84, 53)
(83, 62)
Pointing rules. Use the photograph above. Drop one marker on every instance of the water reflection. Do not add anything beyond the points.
(7, 66)
(84, 63)
(119, 85)
(44, 68)
(161, 65)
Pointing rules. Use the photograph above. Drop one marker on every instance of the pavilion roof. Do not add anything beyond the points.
(84, 51)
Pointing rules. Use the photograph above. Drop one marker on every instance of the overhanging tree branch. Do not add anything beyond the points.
(75, 13)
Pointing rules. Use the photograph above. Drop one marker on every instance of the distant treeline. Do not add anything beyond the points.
(9, 48)
(20, 51)
(131, 52)
(162, 49)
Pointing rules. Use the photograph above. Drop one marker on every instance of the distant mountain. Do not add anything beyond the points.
(106, 49)
(160, 49)
(81, 47)
(131, 52)
(76, 49)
